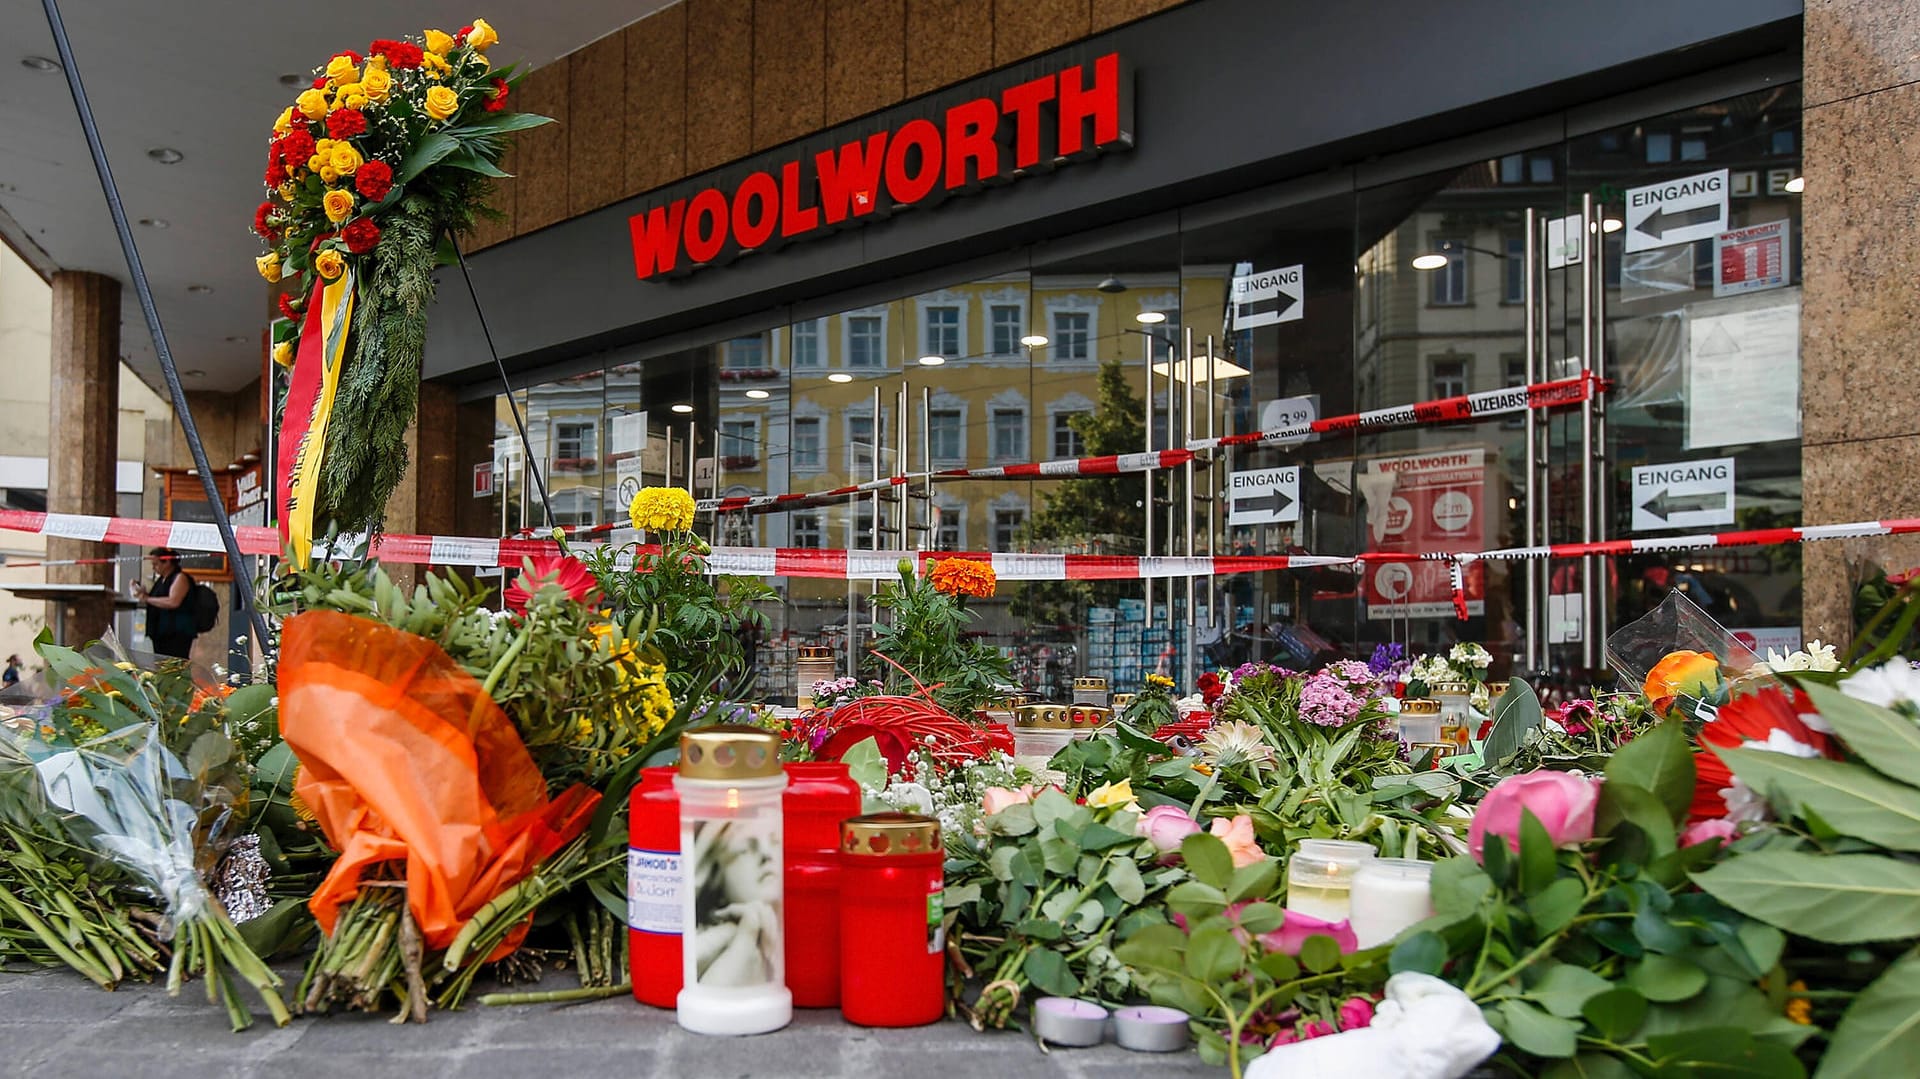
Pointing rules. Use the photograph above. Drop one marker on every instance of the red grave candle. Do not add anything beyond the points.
(819, 796)
(892, 944)
(654, 881)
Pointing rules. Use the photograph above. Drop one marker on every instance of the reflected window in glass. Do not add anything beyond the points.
(1066, 440)
(860, 444)
(739, 441)
(806, 343)
(806, 528)
(573, 446)
(943, 434)
(1008, 323)
(746, 354)
(1006, 529)
(808, 452)
(1513, 271)
(1071, 335)
(1447, 285)
(865, 341)
(1449, 377)
(943, 332)
(1009, 434)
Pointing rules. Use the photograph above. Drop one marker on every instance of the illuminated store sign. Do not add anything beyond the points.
(1042, 123)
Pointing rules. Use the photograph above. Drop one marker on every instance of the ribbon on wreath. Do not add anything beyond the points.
(310, 393)
(1457, 578)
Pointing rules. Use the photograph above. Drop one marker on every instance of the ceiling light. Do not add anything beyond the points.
(758, 395)
(195, 373)
(932, 361)
(156, 222)
(166, 155)
(1150, 318)
(1033, 340)
(1430, 262)
(1796, 185)
(199, 290)
(1111, 284)
(683, 409)
(291, 79)
(249, 457)
(235, 339)
(839, 376)
(1612, 224)
(39, 63)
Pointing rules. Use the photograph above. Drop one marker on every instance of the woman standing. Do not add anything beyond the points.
(169, 623)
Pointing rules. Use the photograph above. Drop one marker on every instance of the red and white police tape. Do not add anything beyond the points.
(868, 565)
(1472, 406)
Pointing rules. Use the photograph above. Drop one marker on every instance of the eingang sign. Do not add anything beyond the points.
(1077, 112)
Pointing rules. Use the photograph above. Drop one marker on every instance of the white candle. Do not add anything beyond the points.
(1390, 894)
(1320, 874)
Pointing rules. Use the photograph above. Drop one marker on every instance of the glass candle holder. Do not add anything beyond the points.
(1419, 720)
(1389, 895)
(733, 917)
(1456, 710)
(1320, 877)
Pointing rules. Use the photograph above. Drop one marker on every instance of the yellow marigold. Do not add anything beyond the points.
(328, 174)
(338, 204)
(283, 354)
(442, 103)
(329, 263)
(439, 43)
(268, 265)
(662, 509)
(285, 123)
(311, 103)
(482, 37)
(963, 577)
(345, 159)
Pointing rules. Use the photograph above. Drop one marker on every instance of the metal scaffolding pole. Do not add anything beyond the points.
(1186, 427)
(1530, 287)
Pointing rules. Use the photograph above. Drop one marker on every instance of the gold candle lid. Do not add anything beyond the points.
(816, 651)
(1089, 683)
(1440, 749)
(1496, 689)
(729, 751)
(1420, 706)
(1460, 688)
(890, 833)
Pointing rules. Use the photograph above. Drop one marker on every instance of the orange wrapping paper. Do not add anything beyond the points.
(403, 757)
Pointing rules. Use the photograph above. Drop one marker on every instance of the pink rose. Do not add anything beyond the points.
(1561, 801)
(1238, 835)
(1283, 1036)
(1356, 1013)
(1166, 827)
(999, 798)
(1316, 1029)
(1293, 933)
(1704, 831)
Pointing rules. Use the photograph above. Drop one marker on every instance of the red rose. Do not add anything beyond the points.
(260, 220)
(361, 235)
(373, 180)
(286, 307)
(498, 99)
(346, 123)
(400, 54)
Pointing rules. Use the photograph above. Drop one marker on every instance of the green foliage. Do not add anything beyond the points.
(926, 637)
(696, 621)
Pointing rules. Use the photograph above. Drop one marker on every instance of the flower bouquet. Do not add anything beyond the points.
(369, 173)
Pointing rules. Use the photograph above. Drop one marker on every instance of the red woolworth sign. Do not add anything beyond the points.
(1074, 113)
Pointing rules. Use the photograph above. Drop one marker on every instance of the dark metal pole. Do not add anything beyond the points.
(526, 446)
(145, 291)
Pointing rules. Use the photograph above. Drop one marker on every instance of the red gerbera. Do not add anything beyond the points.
(1766, 720)
(260, 220)
(346, 123)
(400, 54)
(568, 574)
(498, 100)
(286, 307)
(361, 235)
(373, 180)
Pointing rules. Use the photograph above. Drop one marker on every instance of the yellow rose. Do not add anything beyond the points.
(329, 264)
(268, 265)
(344, 91)
(283, 354)
(311, 103)
(328, 174)
(285, 123)
(338, 204)
(482, 35)
(342, 69)
(376, 83)
(442, 103)
(345, 159)
(435, 66)
(355, 101)
(374, 63)
(438, 43)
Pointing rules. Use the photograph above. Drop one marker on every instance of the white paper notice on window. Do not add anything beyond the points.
(630, 433)
(1743, 371)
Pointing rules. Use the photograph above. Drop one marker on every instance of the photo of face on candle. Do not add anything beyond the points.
(736, 902)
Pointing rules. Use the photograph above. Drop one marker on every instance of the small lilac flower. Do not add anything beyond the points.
(1325, 700)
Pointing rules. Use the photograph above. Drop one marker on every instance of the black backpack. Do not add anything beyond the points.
(203, 605)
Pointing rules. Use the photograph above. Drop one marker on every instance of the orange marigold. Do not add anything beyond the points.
(963, 577)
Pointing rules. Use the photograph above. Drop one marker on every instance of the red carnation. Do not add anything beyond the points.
(354, 56)
(373, 180)
(498, 100)
(361, 234)
(460, 35)
(346, 123)
(400, 54)
(275, 166)
(320, 83)
(296, 147)
(286, 307)
(260, 220)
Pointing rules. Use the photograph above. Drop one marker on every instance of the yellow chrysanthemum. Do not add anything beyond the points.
(662, 509)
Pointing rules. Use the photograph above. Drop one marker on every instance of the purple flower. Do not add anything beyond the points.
(1326, 701)
(1386, 657)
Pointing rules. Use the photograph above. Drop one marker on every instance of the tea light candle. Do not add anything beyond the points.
(1390, 894)
(1073, 1023)
(1146, 1028)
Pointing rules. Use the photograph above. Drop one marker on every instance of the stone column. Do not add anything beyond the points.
(1860, 324)
(83, 436)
